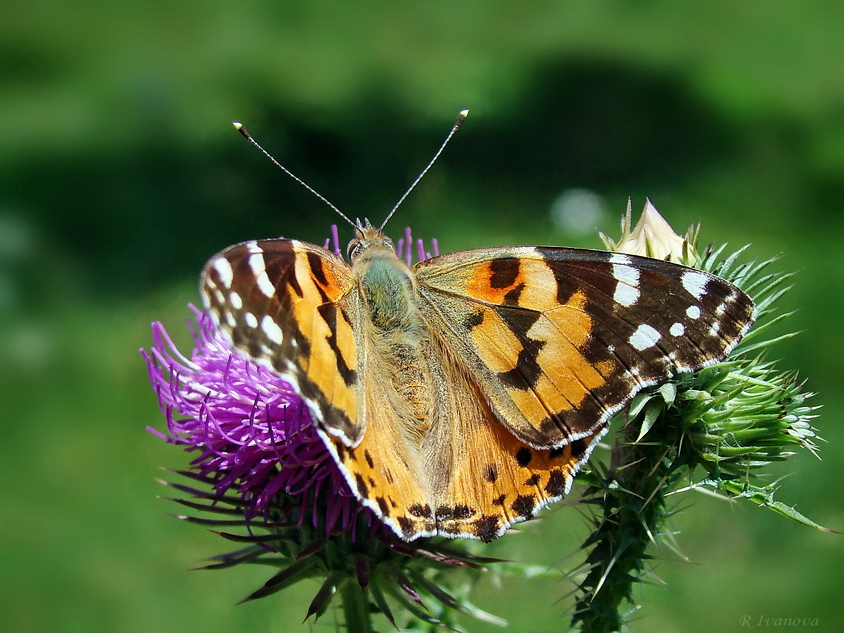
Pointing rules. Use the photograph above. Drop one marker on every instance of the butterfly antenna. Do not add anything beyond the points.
(460, 118)
(239, 127)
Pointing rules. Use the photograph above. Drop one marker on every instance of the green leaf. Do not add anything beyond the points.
(638, 404)
(652, 412)
(668, 391)
(323, 597)
(381, 602)
(431, 588)
(480, 614)
(402, 597)
(765, 498)
(230, 559)
(300, 570)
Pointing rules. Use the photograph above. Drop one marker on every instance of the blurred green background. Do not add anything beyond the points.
(120, 175)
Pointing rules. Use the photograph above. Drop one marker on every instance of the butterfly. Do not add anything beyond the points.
(460, 395)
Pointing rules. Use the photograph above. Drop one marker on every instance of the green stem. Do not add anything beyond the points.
(632, 513)
(356, 608)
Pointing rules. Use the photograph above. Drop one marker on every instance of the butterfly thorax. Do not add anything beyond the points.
(387, 286)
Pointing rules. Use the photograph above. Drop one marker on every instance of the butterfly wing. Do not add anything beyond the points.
(483, 478)
(559, 339)
(290, 306)
(295, 308)
(383, 470)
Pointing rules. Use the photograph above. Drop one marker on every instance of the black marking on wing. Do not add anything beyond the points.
(505, 271)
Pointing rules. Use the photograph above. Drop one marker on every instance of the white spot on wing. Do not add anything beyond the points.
(677, 329)
(256, 263)
(224, 270)
(619, 258)
(265, 285)
(695, 283)
(251, 319)
(627, 274)
(235, 300)
(644, 337)
(626, 289)
(259, 269)
(272, 330)
(625, 295)
(693, 312)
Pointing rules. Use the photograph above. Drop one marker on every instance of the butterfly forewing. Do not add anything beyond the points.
(560, 339)
(286, 305)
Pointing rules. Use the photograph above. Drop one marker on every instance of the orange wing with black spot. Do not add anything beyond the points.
(289, 305)
(559, 339)
(483, 478)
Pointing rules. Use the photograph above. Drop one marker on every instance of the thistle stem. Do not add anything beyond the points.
(356, 608)
(632, 512)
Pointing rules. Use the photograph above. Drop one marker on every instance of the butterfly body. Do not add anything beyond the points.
(460, 395)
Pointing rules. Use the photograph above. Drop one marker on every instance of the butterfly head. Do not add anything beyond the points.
(369, 241)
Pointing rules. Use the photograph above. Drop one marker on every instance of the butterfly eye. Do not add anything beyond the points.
(354, 249)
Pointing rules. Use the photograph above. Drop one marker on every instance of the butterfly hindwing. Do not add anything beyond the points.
(560, 338)
(382, 470)
(484, 478)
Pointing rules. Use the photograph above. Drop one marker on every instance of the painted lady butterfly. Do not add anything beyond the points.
(460, 395)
